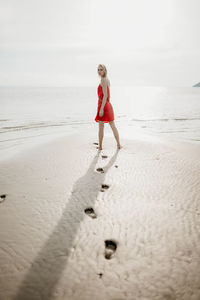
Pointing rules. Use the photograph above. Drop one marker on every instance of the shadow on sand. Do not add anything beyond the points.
(47, 268)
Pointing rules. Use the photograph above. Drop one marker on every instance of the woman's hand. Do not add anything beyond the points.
(101, 112)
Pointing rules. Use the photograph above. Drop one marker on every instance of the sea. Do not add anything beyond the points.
(30, 115)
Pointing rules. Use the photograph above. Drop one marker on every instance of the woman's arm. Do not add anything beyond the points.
(104, 86)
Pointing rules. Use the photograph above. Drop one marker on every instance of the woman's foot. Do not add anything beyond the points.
(100, 148)
(119, 146)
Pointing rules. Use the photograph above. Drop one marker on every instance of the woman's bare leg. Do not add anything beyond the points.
(115, 132)
(101, 133)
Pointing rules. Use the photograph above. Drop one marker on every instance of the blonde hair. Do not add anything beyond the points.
(104, 68)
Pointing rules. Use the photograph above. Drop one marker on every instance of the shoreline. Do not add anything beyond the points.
(179, 144)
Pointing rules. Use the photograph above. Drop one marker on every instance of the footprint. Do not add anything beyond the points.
(2, 198)
(95, 143)
(105, 186)
(90, 212)
(168, 296)
(104, 156)
(110, 248)
(102, 190)
(100, 275)
(100, 170)
(116, 166)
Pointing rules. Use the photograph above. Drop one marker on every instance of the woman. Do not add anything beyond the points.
(105, 113)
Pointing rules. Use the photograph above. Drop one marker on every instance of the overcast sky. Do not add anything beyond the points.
(61, 42)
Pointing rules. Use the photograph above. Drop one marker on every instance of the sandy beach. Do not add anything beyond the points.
(129, 230)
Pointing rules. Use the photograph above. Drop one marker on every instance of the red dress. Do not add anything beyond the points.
(108, 113)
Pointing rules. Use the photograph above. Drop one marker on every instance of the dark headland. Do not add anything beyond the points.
(197, 85)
